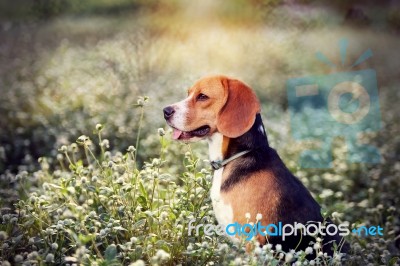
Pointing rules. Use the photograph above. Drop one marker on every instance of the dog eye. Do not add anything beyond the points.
(201, 97)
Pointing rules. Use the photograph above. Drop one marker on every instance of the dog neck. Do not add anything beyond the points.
(222, 147)
(215, 146)
(255, 138)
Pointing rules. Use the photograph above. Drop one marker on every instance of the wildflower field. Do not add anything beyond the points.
(89, 174)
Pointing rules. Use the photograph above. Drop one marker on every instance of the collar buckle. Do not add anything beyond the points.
(219, 164)
(216, 165)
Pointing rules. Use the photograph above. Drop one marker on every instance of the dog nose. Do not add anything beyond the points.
(168, 112)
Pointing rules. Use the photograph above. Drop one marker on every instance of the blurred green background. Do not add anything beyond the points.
(66, 65)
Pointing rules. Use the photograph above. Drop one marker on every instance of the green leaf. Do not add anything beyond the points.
(393, 260)
(172, 216)
(142, 189)
(54, 185)
(91, 188)
(119, 228)
(17, 239)
(127, 188)
(143, 201)
(138, 251)
(163, 244)
(29, 223)
(85, 238)
(139, 223)
(104, 216)
(110, 253)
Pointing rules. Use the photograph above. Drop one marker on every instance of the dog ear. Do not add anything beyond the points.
(238, 114)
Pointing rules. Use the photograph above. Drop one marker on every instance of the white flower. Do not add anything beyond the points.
(204, 244)
(63, 149)
(259, 216)
(278, 247)
(257, 250)
(74, 147)
(164, 215)
(3, 235)
(288, 257)
(335, 215)
(83, 140)
(309, 250)
(337, 257)
(131, 148)
(224, 247)
(18, 258)
(105, 143)
(49, 258)
(138, 263)
(6, 218)
(33, 255)
(99, 127)
(317, 246)
(161, 132)
(238, 261)
(247, 215)
(59, 227)
(162, 255)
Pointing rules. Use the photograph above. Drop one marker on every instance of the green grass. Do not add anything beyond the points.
(105, 210)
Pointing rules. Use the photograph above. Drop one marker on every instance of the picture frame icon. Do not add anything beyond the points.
(344, 104)
(358, 93)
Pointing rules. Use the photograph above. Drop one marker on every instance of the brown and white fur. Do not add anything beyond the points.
(226, 113)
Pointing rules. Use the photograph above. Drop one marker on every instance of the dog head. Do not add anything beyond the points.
(214, 104)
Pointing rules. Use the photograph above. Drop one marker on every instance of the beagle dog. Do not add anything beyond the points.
(249, 175)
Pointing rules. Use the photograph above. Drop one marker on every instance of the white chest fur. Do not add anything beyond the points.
(223, 211)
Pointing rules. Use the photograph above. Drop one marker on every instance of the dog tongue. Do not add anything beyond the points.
(176, 134)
